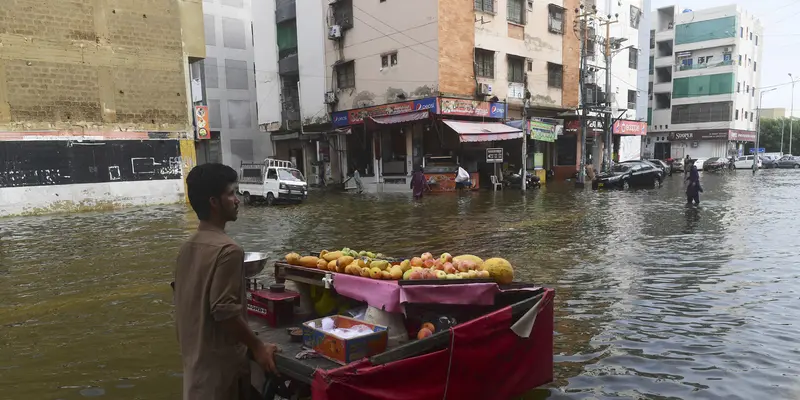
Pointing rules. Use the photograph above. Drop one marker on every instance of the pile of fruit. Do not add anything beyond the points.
(376, 266)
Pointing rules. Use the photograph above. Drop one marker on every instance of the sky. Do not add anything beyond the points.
(781, 21)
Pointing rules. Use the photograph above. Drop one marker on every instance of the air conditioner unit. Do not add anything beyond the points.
(485, 89)
(726, 50)
(335, 32)
(330, 98)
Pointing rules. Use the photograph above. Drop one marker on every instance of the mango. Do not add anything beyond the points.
(321, 263)
(332, 256)
(365, 272)
(361, 263)
(293, 258)
(386, 275)
(396, 272)
(355, 270)
(309, 261)
(500, 270)
(379, 264)
(375, 273)
(344, 261)
(331, 266)
(405, 265)
(322, 253)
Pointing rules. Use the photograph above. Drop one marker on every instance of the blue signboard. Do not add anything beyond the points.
(428, 103)
(497, 110)
(340, 119)
(343, 118)
(760, 150)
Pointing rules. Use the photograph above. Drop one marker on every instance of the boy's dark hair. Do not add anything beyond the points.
(206, 181)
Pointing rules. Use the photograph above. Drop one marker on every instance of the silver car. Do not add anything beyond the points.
(789, 162)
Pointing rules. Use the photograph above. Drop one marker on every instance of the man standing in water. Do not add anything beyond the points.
(694, 189)
(210, 310)
(418, 183)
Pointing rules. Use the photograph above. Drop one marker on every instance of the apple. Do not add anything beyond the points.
(446, 257)
(415, 274)
(417, 262)
(441, 275)
(427, 256)
(429, 263)
(449, 269)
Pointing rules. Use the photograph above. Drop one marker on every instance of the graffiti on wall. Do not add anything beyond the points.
(38, 163)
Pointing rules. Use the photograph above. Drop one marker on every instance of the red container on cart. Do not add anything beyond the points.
(277, 308)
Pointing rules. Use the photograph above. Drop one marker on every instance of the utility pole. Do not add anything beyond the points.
(583, 26)
(783, 128)
(525, 132)
(791, 116)
(609, 138)
(756, 155)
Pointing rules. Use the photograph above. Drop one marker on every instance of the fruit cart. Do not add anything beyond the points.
(501, 347)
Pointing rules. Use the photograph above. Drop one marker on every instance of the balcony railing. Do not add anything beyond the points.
(702, 66)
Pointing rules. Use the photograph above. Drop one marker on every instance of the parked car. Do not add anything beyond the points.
(677, 165)
(629, 174)
(666, 169)
(789, 162)
(715, 164)
(699, 163)
(746, 162)
(769, 162)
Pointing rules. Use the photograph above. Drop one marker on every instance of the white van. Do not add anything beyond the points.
(272, 181)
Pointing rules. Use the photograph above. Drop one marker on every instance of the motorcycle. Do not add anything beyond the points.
(531, 181)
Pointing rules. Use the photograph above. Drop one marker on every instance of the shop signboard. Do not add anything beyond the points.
(698, 135)
(497, 110)
(470, 108)
(741, 136)
(494, 155)
(357, 116)
(541, 130)
(428, 103)
(201, 122)
(626, 127)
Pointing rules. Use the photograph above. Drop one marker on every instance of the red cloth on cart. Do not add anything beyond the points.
(489, 361)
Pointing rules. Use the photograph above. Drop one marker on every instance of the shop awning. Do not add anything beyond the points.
(483, 131)
(398, 118)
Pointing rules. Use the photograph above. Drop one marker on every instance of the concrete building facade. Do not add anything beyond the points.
(95, 110)
(229, 85)
(705, 74)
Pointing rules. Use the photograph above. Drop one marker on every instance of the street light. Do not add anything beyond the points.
(758, 129)
(791, 116)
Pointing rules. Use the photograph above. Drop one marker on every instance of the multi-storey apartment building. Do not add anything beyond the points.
(376, 86)
(705, 75)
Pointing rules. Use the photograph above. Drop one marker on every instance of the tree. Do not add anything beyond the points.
(770, 138)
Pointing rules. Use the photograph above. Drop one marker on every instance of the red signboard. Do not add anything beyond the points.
(358, 116)
(741, 136)
(626, 127)
(470, 108)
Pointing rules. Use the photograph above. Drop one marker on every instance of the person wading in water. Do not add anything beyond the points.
(209, 296)
(418, 183)
(694, 189)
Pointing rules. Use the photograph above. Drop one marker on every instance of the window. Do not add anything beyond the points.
(702, 112)
(631, 99)
(751, 35)
(751, 117)
(650, 87)
(754, 91)
(738, 87)
(516, 11)
(346, 75)
(516, 71)
(484, 63)
(389, 60)
(748, 88)
(737, 115)
(555, 75)
(633, 58)
(755, 65)
(741, 32)
(485, 6)
(556, 19)
(745, 115)
(636, 16)
(740, 60)
(530, 66)
(652, 65)
(652, 39)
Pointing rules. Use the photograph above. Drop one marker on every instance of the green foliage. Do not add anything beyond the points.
(771, 135)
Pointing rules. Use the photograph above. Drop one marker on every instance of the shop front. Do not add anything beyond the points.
(568, 149)
(709, 143)
(388, 142)
(627, 136)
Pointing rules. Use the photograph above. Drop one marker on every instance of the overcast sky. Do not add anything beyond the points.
(781, 21)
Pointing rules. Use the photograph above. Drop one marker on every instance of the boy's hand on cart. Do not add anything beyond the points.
(265, 357)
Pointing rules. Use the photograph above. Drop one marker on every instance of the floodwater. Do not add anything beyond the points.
(653, 300)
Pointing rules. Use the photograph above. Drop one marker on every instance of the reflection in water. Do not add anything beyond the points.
(653, 299)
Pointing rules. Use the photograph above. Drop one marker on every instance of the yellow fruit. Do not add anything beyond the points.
(469, 257)
(344, 261)
(293, 258)
(396, 272)
(379, 264)
(365, 272)
(407, 274)
(405, 265)
(361, 263)
(322, 253)
(386, 275)
(309, 261)
(330, 265)
(500, 270)
(332, 256)
(375, 273)
(321, 263)
(355, 270)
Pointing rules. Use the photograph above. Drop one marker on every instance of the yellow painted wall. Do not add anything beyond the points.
(189, 160)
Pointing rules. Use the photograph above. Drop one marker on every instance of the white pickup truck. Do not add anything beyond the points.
(272, 181)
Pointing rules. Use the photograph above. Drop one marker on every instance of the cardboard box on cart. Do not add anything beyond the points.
(345, 351)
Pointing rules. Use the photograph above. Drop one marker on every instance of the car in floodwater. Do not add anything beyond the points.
(666, 169)
(629, 174)
(715, 164)
(789, 162)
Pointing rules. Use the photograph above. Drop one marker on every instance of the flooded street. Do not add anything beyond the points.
(653, 300)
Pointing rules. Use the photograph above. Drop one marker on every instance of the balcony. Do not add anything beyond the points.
(288, 65)
(285, 10)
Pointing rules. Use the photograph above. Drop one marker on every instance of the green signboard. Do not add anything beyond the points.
(542, 131)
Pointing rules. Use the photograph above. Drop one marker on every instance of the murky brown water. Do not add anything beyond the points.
(654, 300)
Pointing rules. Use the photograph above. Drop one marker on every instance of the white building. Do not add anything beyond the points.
(230, 85)
(704, 78)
